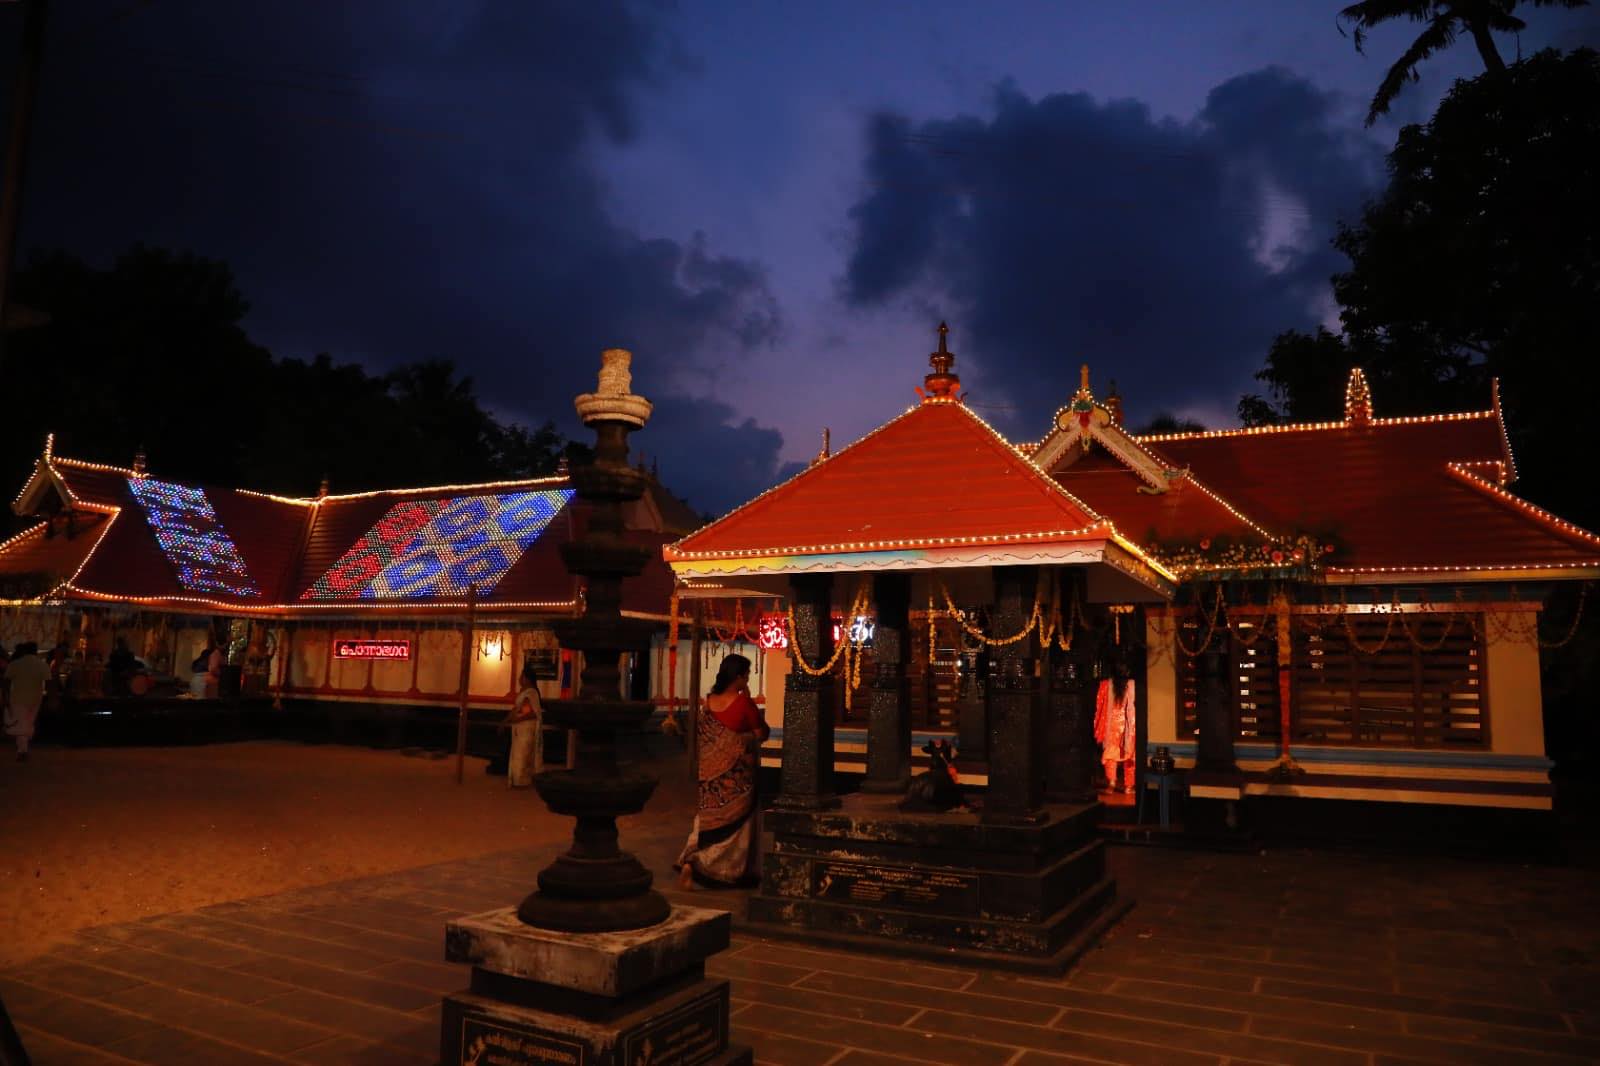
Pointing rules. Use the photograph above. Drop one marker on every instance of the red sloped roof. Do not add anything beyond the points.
(266, 531)
(1185, 512)
(31, 563)
(93, 484)
(937, 474)
(1385, 492)
(285, 545)
(129, 564)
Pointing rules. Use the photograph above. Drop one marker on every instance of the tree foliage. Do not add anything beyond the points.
(1167, 422)
(1480, 260)
(151, 353)
(1446, 20)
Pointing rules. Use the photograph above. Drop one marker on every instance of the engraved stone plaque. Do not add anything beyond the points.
(694, 1033)
(895, 887)
(487, 1042)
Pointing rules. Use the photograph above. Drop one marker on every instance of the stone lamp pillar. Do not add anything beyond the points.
(594, 967)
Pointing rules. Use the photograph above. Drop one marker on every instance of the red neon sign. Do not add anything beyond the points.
(372, 649)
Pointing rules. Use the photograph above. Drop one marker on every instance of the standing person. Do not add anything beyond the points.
(724, 843)
(25, 678)
(1116, 725)
(120, 666)
(527, 732)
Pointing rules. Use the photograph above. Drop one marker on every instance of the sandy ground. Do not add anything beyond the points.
(91, 836)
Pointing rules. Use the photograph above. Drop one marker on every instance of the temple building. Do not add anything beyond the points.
(355, 598)
(1343, 610)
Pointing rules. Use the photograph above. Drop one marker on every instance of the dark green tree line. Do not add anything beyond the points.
(1480, 260)
(151, 352)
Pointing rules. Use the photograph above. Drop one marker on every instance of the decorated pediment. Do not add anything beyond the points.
(1085, 422)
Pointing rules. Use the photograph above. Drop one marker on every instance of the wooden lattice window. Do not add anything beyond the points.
(1252, 658)
(1399, 683)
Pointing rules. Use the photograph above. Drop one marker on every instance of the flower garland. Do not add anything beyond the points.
(1301, 556)
(1211, 625)
(848, 649)
(738, 628)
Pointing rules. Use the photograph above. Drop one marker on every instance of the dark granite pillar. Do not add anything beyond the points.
(1069, 713)
(1015, 734)
(972, 717)
(1214, 710)
(806, 779)
(889, 721)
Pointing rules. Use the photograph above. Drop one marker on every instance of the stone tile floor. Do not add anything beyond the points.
(1289, 956)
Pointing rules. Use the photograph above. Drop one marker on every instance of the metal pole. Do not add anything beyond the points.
(466, 676)
(696, 628)
(25, 93)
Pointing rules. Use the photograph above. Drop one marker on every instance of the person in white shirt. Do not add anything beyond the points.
(25, 678)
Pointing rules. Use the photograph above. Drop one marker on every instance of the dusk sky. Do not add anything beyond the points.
(772, 204)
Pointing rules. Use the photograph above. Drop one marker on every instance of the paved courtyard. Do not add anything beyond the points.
(1289, 956)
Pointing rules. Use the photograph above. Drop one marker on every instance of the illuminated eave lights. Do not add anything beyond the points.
(24, 535)
(1461, 471)
(1103, 527)
(1305, 427)
(291, 609)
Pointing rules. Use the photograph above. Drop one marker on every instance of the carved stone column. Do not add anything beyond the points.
(1215, 711)
(972, 715)
(889, 716)
(1016, 792)
(1071, 741)
(806, 778)
(1069, 723)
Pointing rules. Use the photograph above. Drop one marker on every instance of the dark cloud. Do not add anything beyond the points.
(401, 186)
(1066, 229)
(732, 458)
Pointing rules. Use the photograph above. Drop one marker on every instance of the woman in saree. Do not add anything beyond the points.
(723, 845)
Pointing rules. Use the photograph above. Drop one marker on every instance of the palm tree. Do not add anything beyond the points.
(1446, 19)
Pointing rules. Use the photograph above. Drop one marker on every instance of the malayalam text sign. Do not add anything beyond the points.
(392, 650)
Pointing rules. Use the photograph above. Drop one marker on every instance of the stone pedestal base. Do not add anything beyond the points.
(1024, 897)
(634, 998)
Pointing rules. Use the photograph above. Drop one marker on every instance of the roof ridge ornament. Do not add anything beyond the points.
(942, 384)
(827, 448)
(1357, 399)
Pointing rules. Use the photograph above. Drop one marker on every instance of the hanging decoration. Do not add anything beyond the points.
(1045, 617)
(772, 632)
(847, 652)
(737, 629)
(1301, 557)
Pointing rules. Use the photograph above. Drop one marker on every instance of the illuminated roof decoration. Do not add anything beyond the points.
(387, 553)
(192, 538)
(430, 548)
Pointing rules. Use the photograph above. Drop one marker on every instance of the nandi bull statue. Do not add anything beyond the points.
(938, 789)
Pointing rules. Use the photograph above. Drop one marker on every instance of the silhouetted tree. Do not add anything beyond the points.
(1446, 19)
(1167, 422)
(1480, 259)
(152, 352)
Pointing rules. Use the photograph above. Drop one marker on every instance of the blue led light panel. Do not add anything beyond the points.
(426, 549)
(192, 538)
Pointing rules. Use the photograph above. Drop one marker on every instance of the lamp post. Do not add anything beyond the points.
(594, 966)
(595, 886)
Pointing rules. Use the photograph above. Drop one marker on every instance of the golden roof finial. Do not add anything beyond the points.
(942, 384)
(1083, 378)
(1357, 399)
